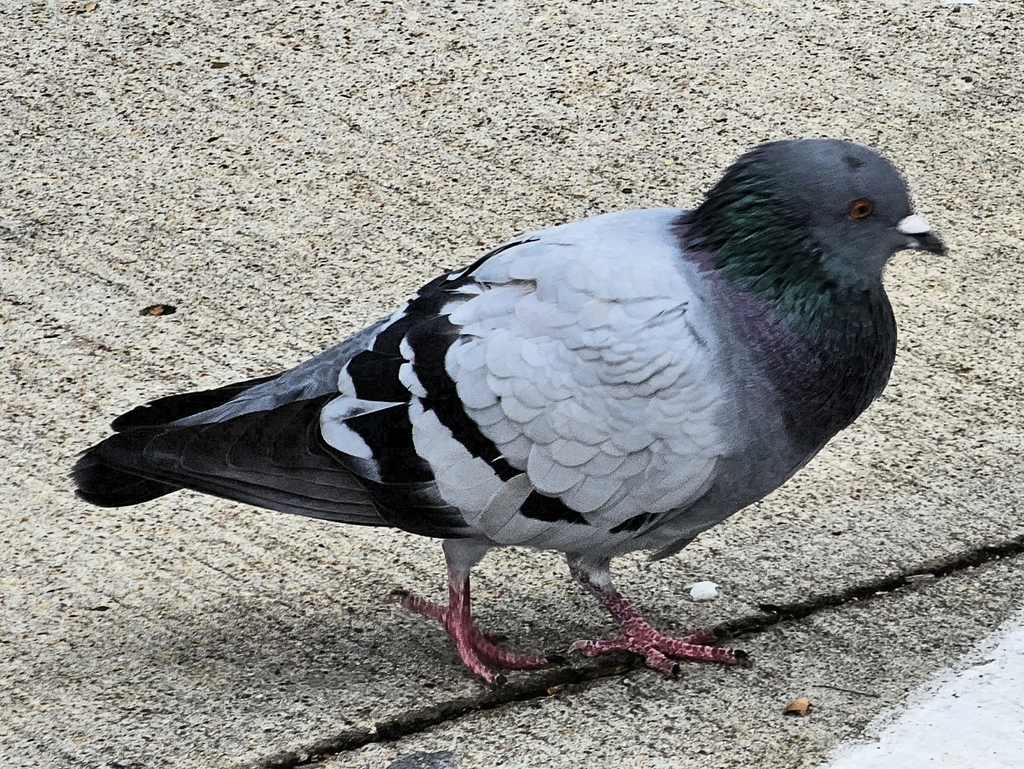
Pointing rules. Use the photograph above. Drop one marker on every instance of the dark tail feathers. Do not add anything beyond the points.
(100, 484)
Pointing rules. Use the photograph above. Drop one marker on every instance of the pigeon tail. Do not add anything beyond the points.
(101, 483)
(106, 486)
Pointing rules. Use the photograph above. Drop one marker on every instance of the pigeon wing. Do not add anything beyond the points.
(570, 399)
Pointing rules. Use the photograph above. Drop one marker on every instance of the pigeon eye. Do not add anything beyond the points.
(861, 208)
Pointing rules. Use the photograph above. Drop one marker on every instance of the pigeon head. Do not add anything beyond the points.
(798, 220)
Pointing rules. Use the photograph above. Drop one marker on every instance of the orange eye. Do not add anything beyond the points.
(861, 208)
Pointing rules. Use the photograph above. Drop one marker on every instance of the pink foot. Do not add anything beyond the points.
(659, 651)
(476, 648)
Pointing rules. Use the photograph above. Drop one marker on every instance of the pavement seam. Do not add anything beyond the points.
(937, 568)
(551, 682)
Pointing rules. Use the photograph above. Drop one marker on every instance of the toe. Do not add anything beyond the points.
(657, 661)
(700, 637)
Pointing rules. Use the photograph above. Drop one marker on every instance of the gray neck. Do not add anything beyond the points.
(827, 372)
(828, 354)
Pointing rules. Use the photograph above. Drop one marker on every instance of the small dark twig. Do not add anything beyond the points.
(851, 691)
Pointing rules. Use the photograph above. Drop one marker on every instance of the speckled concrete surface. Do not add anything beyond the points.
(283, 174)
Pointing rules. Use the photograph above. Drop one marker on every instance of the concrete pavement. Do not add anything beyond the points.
(283, 174)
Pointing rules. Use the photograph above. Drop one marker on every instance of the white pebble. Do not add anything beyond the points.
(704, 591)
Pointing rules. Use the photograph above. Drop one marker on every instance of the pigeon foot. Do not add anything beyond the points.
(478, 650)
(660, 651)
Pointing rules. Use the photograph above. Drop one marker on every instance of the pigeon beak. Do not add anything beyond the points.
(920, 236)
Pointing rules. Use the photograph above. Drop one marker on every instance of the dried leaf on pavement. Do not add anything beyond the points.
(797, 707)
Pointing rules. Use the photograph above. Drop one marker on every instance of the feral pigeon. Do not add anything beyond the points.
(619, 383)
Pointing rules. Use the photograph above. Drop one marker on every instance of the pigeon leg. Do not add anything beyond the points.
(638, 636)
(475, 647)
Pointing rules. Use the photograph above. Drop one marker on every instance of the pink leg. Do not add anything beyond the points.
(474, 647)
(659, 651)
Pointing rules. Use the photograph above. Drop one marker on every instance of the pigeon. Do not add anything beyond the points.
(619, 383)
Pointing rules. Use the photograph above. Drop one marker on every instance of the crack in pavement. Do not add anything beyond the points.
(549, 682)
